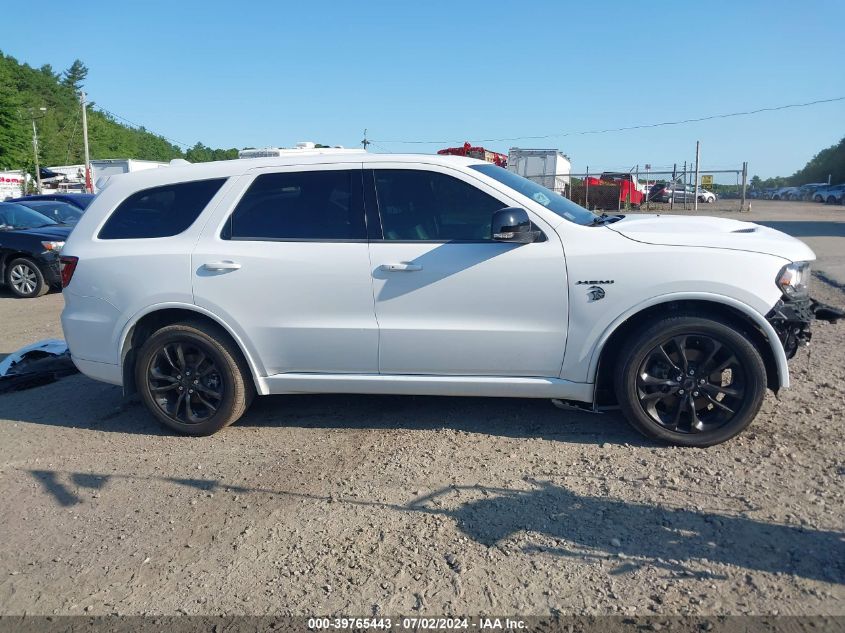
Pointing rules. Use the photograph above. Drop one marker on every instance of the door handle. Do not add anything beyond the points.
(403, 267)
(224, 265)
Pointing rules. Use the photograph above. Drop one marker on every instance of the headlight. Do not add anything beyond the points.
(52, 246)
(794, 280)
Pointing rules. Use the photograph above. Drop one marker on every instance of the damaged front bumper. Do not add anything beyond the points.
(792, 318)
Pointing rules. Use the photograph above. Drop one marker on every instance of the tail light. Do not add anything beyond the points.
(68, 266)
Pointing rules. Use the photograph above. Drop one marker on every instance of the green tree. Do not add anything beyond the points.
(75, 75)
(828, 163)
(23, 90)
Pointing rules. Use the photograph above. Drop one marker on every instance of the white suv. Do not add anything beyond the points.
(341, 271)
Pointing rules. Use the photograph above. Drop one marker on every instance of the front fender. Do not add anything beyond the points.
(758, 319)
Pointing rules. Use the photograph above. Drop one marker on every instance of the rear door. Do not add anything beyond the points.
(284, 261)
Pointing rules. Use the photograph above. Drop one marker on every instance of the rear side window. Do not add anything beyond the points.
(160, 211)
(307, 205)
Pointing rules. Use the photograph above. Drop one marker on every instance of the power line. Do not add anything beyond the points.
(621, 129)
(146, 129)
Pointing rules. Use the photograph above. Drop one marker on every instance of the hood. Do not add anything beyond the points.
(55, 232)
(707, 232)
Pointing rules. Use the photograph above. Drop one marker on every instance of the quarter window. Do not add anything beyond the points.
(160, 211)
(427, 205)
(307, 205)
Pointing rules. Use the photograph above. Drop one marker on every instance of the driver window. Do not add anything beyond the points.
(427, 205)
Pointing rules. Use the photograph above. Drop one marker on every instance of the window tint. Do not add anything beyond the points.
(311, 205)
(426, 205)
(160, 211)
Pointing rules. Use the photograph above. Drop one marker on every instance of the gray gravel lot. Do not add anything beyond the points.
(385, 505)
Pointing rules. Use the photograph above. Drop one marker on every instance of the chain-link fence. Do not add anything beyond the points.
(674, 190)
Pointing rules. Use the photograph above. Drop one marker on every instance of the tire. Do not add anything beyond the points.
(830, 200)
(24, 278)
(217, 395)
(659, 405)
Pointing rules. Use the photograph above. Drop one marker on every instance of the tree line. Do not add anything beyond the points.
(25, 90)
(830, 162)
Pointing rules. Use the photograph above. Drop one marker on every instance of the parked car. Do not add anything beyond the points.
(81, 200)
(664, 192)
(784, 193)
(30, 244)
(829, 194)
(804, 192)
(200, 286)
(706, 196)
(61, 212)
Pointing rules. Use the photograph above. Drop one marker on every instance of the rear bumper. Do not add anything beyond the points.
(105, 372)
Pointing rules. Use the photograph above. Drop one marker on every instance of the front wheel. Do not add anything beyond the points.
(690, 381)
(193, 378)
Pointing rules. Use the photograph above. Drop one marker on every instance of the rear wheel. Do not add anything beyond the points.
(690, 381)
(193, 379)
(24, 278)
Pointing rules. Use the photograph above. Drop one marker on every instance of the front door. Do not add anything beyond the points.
(450, 300)
(289, 268)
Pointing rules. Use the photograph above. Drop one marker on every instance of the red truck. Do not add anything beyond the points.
(477, 152)
(629, 190)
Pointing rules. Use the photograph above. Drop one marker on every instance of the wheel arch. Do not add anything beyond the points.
(143, 324)
(12, 255)
(727, 309)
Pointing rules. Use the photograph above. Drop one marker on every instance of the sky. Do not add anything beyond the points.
(255, 74)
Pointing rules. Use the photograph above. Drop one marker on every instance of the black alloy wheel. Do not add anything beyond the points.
(193, 377)
(690, 380)
(185, 382)
(691, 383)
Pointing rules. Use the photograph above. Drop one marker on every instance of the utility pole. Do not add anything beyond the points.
(35, 151)
(744, 182)
(674, 184)
(685, 186)
(587, 189)
(697, 156)
(88, 186)
(35, 143)
(365, 142)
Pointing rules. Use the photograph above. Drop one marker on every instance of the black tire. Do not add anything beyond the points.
(706, 407)
(218, 393)
(24, 278)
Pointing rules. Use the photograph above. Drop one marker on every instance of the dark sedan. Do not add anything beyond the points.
(81, 200)
(30, 246)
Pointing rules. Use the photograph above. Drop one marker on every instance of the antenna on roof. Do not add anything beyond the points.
(365, 142)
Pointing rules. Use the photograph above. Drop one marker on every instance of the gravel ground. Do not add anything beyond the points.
(414, 505)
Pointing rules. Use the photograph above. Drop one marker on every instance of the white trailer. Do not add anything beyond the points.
(104, 169)
(547, 167)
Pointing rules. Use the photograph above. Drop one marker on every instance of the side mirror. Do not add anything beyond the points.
(512, 224)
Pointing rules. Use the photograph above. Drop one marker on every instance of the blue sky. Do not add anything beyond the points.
(273, 73)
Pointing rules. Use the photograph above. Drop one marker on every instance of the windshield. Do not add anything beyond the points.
(58, 211)
(554, 202)
(17, 216)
